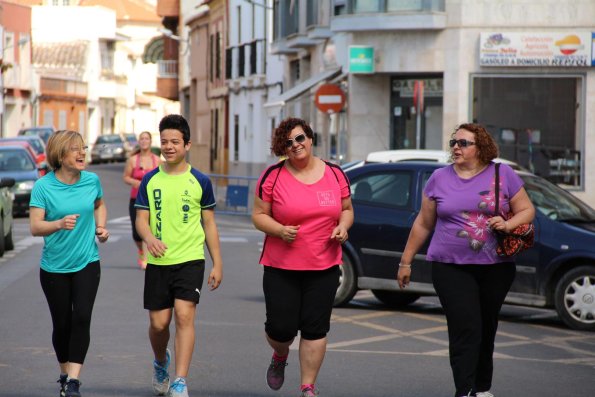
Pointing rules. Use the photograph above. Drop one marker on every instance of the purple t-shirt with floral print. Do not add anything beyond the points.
(463, 208)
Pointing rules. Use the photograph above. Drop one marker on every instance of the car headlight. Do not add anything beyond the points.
(23, 187)
(118, 150)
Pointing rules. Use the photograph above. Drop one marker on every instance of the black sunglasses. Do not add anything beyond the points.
(460, 142)
(298, 138)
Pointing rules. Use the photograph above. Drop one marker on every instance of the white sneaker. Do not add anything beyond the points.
(178, 388)
(484, 394)
(161, 376)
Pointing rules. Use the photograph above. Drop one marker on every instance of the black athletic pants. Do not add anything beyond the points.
(472, 296)
(71, 297)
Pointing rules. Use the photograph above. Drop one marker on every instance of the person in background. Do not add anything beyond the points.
(303, 205)
(175, 216)
(140, 162)
(67, 209)
(471, 280)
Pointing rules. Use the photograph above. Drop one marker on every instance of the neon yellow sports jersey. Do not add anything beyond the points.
(175, 203)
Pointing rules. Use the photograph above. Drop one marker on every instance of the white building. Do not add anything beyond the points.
(253, 76)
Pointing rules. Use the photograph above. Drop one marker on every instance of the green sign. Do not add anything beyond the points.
(361, 59)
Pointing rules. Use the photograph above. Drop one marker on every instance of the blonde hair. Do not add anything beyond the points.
(58, 146)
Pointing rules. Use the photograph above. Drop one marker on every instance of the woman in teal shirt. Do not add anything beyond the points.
(67, 209)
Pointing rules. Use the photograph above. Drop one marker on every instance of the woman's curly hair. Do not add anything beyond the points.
(281, 134)
(487, 148)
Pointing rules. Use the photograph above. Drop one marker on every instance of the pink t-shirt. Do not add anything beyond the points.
(316, 208)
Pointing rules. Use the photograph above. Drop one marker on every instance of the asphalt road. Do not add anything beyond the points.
(373, 350)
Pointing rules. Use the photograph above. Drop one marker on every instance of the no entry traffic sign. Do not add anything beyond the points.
(329, 98)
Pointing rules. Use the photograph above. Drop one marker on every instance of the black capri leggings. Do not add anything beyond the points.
(299, 300)
(71, 297)
(132, 213)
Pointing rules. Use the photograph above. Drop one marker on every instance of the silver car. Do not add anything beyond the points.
(108, 148)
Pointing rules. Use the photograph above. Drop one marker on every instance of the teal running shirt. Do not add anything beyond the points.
(175, 203)
(67, 251)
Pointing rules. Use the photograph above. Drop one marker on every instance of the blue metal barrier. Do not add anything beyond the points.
(234, 194)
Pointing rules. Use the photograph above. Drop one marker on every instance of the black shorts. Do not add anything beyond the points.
(132, 213)
(299, 300)
(166, 283)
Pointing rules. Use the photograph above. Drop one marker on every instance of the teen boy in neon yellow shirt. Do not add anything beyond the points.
(171, 202)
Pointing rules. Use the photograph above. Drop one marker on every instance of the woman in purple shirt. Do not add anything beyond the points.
(470, 279)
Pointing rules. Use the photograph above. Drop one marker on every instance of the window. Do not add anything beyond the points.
(241, 60)
(236, 137)
(535, 121)
(106, 48)
(385, 189)
(253, 57)
(366, 6)
(218, 48)
(228, 63)
(211, 57)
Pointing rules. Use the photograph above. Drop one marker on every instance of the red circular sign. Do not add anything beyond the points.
(329, 98)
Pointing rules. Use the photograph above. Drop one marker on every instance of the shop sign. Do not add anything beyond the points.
(568, 49)
(361, 59)
(406, 87)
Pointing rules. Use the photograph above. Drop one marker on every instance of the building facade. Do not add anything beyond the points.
(253, 75)
(18, 81)
(413, 70)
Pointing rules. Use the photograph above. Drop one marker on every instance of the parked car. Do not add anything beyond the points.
(44, 132)
(130, 143)
(558, 272)
(394, 156)
(30, 141)
(6, 198)
(16, 162)
(108, 148)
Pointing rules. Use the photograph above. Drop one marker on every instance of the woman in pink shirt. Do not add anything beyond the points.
(303, 205)
(136, 167)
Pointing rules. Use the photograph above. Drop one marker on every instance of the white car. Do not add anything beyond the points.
(394, 156)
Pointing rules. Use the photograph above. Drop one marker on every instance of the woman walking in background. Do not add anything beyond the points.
(67, 209)
(141, 162)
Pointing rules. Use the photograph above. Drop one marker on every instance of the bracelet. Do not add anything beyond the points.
(405, 266)
(97, 227)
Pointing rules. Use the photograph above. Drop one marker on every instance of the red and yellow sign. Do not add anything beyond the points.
(535, 49)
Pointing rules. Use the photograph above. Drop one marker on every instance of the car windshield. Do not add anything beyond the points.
(15, 160)
(555, 202)
(109, 139)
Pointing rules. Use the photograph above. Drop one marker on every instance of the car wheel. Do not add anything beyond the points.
(8, 241)
(575, 298)
(347, 282)
(2, 247)
(395, 298)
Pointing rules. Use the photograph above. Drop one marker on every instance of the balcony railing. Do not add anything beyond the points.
(245, 59)
(382, 6)
(167, 69)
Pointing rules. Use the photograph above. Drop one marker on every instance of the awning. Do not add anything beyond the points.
(302, 87)
(153, 50)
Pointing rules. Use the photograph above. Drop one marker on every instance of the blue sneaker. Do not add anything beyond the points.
(178, 388)
(161, 376)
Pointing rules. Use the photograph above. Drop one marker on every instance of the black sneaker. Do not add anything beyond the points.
(62, 382)
(276, 374)
(72, 388)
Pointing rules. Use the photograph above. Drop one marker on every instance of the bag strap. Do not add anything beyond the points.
(497, 189)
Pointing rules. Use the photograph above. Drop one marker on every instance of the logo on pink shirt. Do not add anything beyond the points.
(326, 198)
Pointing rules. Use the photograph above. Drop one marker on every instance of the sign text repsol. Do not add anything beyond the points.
(157, 200)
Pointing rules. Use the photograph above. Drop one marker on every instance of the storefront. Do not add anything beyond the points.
(531, 95)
